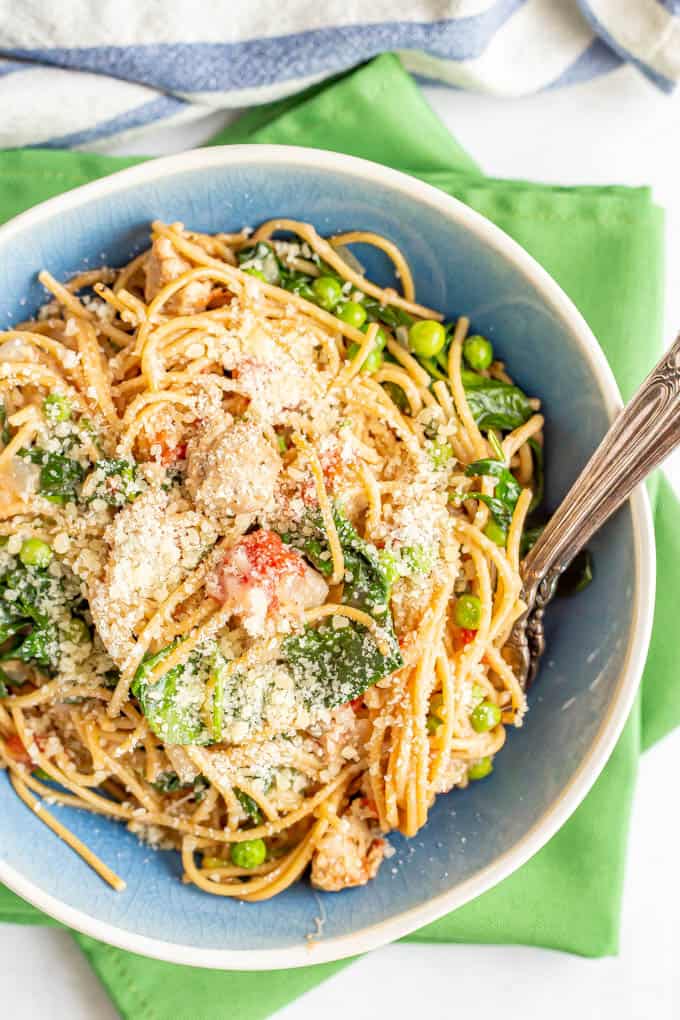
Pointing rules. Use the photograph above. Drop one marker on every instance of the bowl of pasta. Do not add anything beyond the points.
(278, 426)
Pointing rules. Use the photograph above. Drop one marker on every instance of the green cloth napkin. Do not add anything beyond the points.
(605, 247)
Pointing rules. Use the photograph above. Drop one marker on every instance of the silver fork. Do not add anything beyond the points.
(644, 433)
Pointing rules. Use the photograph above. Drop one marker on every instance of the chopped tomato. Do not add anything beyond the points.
(357, 703)
(466, 636)
(331, 464)
(268, 556)
(368, 804)
(170, 452)
(17, 750)
(219, 296)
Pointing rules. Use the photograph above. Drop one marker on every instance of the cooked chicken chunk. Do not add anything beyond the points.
(231, 469)
(163, 266)
(350, 853)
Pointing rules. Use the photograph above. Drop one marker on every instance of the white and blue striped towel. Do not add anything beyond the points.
(91, 74)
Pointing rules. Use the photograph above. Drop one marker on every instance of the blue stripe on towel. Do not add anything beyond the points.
(156, 109)
(222, 67)
(673, 6)
(596, 60)
(665, 84)
(12, 66)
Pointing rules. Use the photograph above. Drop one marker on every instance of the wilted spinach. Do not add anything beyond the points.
(25, 594)
(495, 404)
(60, 476)
(333, 664)
(506, 493)
(117, 483)
(169, 703)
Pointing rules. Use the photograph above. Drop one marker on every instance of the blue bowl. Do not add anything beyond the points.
(596, 643)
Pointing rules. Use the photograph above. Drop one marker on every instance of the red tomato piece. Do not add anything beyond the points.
(17, 750)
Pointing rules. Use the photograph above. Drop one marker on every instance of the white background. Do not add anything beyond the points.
(615, 130)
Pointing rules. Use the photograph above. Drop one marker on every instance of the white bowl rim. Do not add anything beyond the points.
(373, 936)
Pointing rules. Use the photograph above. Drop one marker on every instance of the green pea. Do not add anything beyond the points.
(77, 631)
(35, 553)
(468, 612)
(352, 313)
(257, 273)
(480, 769)
(327, 291)
(478, 352)
(440, 453)
(426, 338)
(373, 361)
(485, 716)
(433, 723)
(380, 338)
(56, 408)
(496, 533)
(249, 854)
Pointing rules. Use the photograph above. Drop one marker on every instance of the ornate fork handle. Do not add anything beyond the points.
(638, 440)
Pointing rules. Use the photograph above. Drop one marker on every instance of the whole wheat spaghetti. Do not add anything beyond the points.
(261, 523)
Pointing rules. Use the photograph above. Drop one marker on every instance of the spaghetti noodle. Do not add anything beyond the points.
(261, 525)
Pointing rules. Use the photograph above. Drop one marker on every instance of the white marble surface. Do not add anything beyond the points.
(616, 130)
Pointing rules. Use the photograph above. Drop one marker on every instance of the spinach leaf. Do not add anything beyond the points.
(6, 681)
(333, 664)
(60, 476)
(172, 705)
(495, 404)
(578, 574)
(389, 314)
(249, 805)
(504, 500)
(169, 782)
(397, 396)
(297, 283)
(40, 645)
(11, 622)
(433, 369)
(26, 595)
(201, 786)
(262, 257)
(217, 716)
(118, 483)
(539, 475)
(4, 427)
